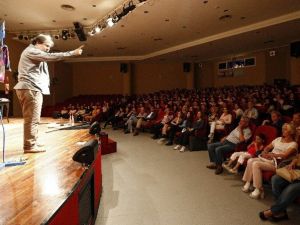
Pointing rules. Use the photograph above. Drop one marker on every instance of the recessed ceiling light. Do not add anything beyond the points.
(67, 7)
(122, 25)
(94, 5)
(54, 21)
(21, 23)
(167, 20)
(205, 2)
(146, 11)
(226, 10)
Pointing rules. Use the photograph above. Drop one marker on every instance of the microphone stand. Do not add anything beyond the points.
(8, 163)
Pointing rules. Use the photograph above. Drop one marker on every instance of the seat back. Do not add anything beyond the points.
(270, 132)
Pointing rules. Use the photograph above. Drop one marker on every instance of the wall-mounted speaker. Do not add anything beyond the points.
(295, 49)
(123, 67)
(186, 67)
(87, 153)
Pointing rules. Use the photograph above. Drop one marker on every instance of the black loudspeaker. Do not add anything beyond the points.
(86, 155)
(95, 128)
(79, 31)
(295, 49)
(123, 68)
(186, 67)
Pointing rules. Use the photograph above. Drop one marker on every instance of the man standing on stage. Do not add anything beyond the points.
(33, 83)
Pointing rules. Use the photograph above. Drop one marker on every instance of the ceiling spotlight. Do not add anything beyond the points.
(116, 17)
(127, 9)
(56, 36)
(110, 22)
(97, 29)
(65, 34)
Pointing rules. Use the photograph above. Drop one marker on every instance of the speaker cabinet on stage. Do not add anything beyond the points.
(87, 153)
(103, 138)
(295, 49)
(186, 67)
(95, 128)
(123, 67)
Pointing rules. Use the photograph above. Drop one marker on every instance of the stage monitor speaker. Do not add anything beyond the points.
(186, 67)
(79, 31)
(87, 153)
(95, 128)
(295, 49)
(123, 68)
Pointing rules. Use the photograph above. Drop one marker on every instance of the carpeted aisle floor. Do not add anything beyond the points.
(146, 183)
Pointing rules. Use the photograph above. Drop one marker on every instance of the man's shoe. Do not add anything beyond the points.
(212, 166)
(219, 170)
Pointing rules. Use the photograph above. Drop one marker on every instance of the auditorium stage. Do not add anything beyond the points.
(34, 193)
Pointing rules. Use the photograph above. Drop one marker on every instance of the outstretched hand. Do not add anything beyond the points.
(78, 51)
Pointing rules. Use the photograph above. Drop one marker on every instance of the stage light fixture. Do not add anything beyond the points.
(97, 29)
(110, 22)
(65, 34)
(116, 17)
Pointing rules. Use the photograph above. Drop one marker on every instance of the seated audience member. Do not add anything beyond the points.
(238, 111)
(95, 112)
(72, 110)
(296, 123)
(64, 113)
(128, 127)
(281, 148)
(253, 150)
(174, 127)
(275, 121)
(142, 122)
(156, 129)
(219, 124)
(116, 118)
(80, 113)
(212, 118)
(217, 150)
(139, 119)
(251, 112)
(187, 126)
(191, 128)
(285, 193)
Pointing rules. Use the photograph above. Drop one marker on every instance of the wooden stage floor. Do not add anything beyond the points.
(31, 193)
